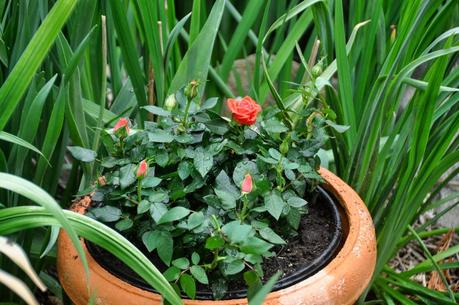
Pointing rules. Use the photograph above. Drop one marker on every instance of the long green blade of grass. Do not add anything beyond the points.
(196, 62)
(18, 141)
(24, 70)
(237, 40)
(31, 191)
(26, 217)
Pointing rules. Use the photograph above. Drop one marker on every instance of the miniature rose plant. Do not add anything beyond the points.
(210, 197)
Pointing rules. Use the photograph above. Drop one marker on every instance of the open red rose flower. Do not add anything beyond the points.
(244, 110)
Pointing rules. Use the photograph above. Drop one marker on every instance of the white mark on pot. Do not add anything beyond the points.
(357, 250)
(99, 301)
(339, 287)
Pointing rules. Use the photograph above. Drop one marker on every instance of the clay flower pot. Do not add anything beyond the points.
(341, 281)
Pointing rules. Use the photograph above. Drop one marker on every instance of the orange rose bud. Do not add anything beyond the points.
(247, 184)
(121, 128)
(244, 110)
(142, 170)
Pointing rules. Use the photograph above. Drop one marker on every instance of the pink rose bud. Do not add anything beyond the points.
(121, 127)
(142, 170)
(247, 184)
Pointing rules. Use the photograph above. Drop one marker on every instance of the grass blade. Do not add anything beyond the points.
(27, 217)
(38, 195)
(196, 62)
(21, 75)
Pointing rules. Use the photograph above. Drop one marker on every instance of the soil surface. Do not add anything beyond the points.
(316, 232)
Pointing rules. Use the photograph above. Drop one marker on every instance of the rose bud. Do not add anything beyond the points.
(142, 169)
(191, 90)
(247, 184)
(170, 102)
(244, 110)
(121, 128)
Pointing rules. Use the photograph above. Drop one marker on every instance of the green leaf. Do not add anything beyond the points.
(143, 206)
(159, 196)
(157, 110)
(218, 126)
(188, 285)
(237, 232)
(165, 246)
(274, 126)
(195, 258)
(253, 282)
(296, 202)
(209, 103)
(274, 204)
(162, 158)
(195, 64)
(157, 210)
(195, 219)
(243, 168)
(172, 273)
(82, 154)
(160, 136)
(150, 240)
(184, 169)
(294, 218)
(271, 236)
(223, 183)
(174, 214)
(254, 245)
(203, 161)
(124, 224)
(127, 175)
(338, 128)
(150, 182)
(228, 201)
(182, 263)
(234, 267)
(199, 274)
(214, 242)
(275, 153)
(106, 213)
(184, 138)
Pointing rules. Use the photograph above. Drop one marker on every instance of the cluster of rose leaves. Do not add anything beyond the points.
(207, 197)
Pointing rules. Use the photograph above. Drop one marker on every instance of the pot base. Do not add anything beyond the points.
(339, 282)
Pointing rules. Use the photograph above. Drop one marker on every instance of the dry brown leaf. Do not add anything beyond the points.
(435, 281)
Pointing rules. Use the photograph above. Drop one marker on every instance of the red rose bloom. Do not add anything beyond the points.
(142, 169)
(244, 110)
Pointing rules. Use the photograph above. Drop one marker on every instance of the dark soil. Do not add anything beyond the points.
(316, 232)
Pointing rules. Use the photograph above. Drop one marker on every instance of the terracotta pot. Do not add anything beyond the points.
(340, 282)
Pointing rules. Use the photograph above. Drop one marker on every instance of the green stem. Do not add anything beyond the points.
(139, 190)
(187, 109)
(245, 204)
